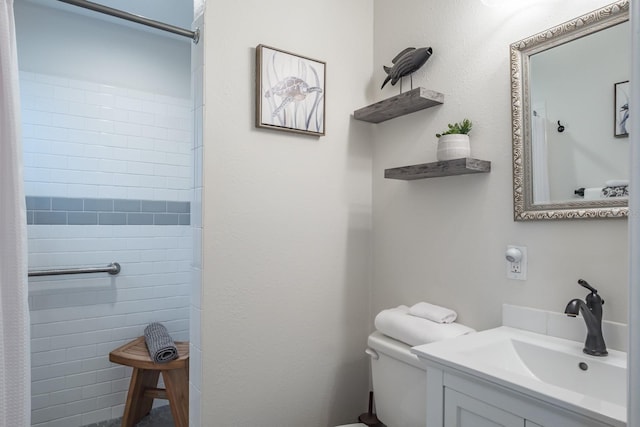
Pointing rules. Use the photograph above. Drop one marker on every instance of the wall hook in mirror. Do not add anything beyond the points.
(560, 127)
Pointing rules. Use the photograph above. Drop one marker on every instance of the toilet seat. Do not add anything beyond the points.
(353, 425)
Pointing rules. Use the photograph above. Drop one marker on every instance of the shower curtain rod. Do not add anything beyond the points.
(194, 35)
(113, 269)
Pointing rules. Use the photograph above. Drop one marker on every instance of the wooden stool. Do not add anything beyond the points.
(144, 382)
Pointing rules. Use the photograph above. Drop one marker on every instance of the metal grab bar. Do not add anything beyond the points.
(113, 269)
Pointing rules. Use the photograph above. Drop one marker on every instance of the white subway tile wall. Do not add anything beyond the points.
(102, 145)
(83, 139)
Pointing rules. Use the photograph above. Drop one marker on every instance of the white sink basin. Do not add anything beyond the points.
(548, 368)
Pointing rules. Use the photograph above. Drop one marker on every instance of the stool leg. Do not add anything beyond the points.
(177, 386)
(138, 405)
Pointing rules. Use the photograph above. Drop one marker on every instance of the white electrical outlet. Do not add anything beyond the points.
(516, 262)
(515, 267)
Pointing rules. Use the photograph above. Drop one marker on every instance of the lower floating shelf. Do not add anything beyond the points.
(461, 166)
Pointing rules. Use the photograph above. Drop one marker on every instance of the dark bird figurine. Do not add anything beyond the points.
(405, 63)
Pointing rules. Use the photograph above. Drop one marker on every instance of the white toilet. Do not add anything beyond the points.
(399, 383)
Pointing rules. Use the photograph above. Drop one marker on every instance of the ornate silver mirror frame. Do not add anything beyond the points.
(524, 206)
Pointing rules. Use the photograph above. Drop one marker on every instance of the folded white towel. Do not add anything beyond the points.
(433, 312)
(593, 193)
(397, 323)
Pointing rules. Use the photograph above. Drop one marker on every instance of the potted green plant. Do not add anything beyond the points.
(453, 143)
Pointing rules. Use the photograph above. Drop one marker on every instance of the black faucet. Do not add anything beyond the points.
(592, 314)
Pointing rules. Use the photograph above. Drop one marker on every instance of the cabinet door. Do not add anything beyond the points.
(461, 410)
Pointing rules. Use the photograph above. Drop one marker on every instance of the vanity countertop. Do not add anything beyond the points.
(551, 369)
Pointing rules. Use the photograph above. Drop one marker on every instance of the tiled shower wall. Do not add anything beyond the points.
(108, 177)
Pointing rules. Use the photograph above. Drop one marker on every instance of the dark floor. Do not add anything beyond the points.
(159, 417)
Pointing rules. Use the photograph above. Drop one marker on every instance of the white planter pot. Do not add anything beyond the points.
(454, 146)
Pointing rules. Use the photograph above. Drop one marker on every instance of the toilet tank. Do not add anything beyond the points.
(399, 383)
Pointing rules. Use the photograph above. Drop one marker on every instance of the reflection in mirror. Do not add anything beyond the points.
(574, 84)
(570, 160)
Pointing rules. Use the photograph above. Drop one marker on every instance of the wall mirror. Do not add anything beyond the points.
(569, 89)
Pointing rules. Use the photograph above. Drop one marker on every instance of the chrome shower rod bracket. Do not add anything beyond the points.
(193, 35)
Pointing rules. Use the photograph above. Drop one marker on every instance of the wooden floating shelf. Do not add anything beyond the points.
(399, 105)
(461, 166)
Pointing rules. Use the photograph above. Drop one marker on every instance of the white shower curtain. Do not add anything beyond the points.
(15, 374)
(540, 155)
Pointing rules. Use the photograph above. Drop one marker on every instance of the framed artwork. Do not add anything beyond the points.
(621, 111)
(290, 92)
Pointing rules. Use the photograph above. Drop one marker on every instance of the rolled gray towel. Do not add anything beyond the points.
(161, 347)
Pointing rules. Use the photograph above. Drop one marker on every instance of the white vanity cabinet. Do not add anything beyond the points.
(457, 399)
(461, 410)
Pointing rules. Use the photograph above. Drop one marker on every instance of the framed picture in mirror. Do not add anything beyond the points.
(621, 109)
